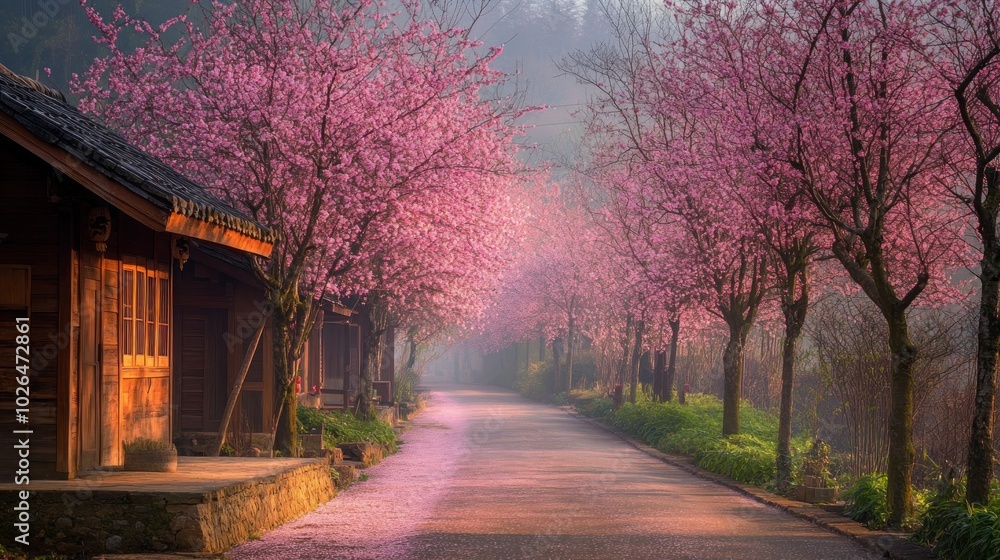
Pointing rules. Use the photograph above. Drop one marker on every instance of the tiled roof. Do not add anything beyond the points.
(53, 120)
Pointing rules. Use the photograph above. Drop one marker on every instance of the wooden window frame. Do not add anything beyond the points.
(9, 271)
(155, 320)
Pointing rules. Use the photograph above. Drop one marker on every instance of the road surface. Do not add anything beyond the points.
(485, 474)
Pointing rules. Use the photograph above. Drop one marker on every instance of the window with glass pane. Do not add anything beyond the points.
(145, 295)
(151, 292)
(140, 312)
(164, 314)
(128, 307)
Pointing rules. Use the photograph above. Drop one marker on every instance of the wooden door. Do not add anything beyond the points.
(201, 367)
(335, 357)
(90, 373)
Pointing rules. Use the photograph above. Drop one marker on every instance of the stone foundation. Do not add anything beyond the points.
(87, 521)
(388, 414)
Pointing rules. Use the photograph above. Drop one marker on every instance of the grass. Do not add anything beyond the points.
(341, 427)
(695, 429)
(8, 554)
(146, 444)
(866, 501)
(956, 530)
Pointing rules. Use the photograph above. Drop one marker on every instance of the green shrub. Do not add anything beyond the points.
(741, 457)
(146, 444)
(866, 501)
(959, 531)
(594, 405)
(536, 381)
(695, 429)
(341, 426)
(406, 384)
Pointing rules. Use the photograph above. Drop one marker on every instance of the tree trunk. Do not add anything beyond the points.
(555, 364)
(980, 454)
(732, 371)
(285, 434)
(668, 377)
(227, 415)
(634, 362)
(623, 365)
(795, 305)
(899, 494)
(659, 372)
(569, 355)
(411, 360)
(541, 348)
(793, 331)
(371, 355)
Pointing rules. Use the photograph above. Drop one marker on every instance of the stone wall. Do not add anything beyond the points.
(84, 522)
(388, 414)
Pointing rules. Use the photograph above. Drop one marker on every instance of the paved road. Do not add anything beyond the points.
(485, 474)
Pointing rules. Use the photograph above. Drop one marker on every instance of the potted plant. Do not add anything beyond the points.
(818, 486)
(150, 455)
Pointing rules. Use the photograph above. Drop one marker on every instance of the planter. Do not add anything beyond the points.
(154, 460)
(814, 495)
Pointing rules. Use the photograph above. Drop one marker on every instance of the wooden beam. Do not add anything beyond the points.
(66, 399)
(198, 229)
(338, 309)
(237, 387)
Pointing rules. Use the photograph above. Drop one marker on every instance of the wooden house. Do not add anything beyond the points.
(218, 305)
(92, 233)
(331, 364)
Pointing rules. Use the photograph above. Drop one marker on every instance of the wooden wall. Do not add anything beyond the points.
(84, 404)
(33, 221)
(145, 408)
(215, 316)
(256, 402)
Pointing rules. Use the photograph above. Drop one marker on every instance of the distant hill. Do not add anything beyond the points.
(55, 34)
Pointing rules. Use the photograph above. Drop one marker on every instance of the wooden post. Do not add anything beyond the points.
(237, 387)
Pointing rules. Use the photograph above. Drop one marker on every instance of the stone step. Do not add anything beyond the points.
(367, 453)
(347, 474)
(335, 455)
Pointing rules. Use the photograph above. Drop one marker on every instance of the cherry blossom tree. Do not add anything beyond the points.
(653, 272)
(643, 122)
(963, 42)
(730, 48)
(866, 135)
(439, 267)
(323, 120)
(548, 290)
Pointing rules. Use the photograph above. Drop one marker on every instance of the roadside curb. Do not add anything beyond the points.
(888, 545)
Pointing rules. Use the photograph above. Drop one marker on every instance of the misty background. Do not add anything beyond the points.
(535, 35)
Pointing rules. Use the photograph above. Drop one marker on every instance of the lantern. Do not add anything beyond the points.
(99, 226)
(181, 251)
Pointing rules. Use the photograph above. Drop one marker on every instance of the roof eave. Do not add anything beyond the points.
(137, 207)
(198, 229)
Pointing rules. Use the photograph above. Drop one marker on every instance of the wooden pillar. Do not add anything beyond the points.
(66, 410)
